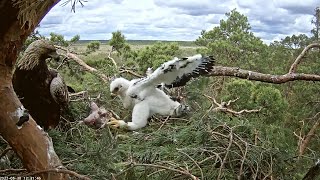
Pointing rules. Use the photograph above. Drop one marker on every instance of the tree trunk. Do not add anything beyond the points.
(30, 142)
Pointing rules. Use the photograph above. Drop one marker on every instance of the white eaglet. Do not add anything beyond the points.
(146, 99)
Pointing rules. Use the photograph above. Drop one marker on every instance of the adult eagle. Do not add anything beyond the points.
(146, 99)
(41, 90)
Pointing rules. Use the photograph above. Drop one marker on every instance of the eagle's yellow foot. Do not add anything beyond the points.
(114, 123)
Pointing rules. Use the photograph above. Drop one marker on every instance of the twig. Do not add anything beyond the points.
(2, 171)
(63, 61)
(167, 118)
(113, 177)
(232, 101)
(63, 171)
(223, 107)
(242, 162)
(306, 140)
(5, 151)
(216, 155)
(227, 152)
(270, 173)
(207, 112)
(168, 168)
(256, 137)
(83, 93)
(156, 172)
(125, 170)
(300, 138)
(180, 119)
(193, 162)
(78, 96)
(87, 67)
(242, 111)
(72, 55)
(122, 70)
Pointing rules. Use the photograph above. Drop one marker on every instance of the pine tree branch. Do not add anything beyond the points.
(87, 67)
(168, 168)
(63, 171)
(306, 140)
(224, 107)
(72, 55)
(123, 70)
(113, 61)
(294, 66)
(256, 76)
(269, 78)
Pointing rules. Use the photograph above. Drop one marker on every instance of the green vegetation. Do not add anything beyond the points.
(117, 41)
(205, 143)
(93, 46)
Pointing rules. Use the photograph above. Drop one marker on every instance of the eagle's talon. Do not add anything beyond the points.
(114, 123)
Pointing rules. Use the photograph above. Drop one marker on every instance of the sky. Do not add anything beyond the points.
(176, 19)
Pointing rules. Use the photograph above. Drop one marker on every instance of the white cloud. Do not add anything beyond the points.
(176, 19)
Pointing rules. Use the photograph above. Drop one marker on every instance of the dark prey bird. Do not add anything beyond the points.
(41, 90)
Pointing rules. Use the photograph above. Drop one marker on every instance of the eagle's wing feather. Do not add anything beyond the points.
(174, 73)
(191, 67)
(59, 91)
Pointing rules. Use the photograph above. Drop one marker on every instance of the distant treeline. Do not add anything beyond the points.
(144, 42)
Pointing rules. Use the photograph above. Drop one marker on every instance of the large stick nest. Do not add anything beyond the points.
(29, 10)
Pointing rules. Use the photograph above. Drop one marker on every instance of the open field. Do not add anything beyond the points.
(144, 42)
(186, 49)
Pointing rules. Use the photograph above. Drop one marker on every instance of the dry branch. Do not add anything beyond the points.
(123, 70)
(63, 171)
(232, 146)
(85, 66)
(195, 162)
(184, 172)
(79, 96)
(256, 76)
(224, 107)
(294, 66)
(306, 140)
(113, 61)
(269, 78)
(227, 152)
(5, 171)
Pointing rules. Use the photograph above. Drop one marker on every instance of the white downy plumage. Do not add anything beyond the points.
(146, 99)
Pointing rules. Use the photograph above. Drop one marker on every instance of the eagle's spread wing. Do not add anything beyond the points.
(175, 73)
(59, 91)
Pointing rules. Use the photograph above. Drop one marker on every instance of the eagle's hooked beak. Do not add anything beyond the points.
(114, 92)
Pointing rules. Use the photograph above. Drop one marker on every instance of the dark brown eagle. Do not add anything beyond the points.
(41, 90)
